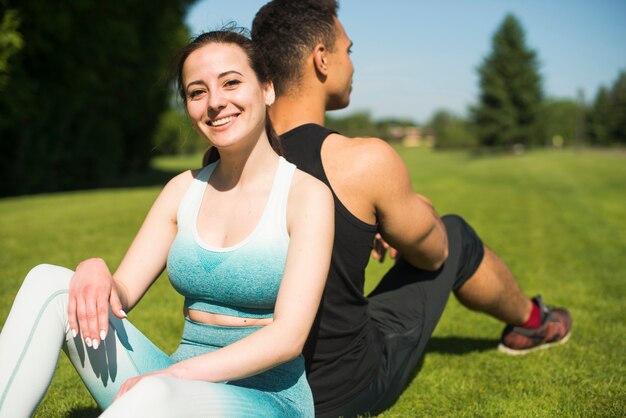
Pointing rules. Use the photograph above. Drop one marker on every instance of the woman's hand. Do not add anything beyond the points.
(130, 383)
(92, 291)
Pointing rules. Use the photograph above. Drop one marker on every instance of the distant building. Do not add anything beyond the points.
(412, 136)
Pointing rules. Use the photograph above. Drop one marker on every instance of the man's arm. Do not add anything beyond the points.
(407, 220)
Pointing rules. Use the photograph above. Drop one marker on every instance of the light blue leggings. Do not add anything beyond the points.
(37, 328)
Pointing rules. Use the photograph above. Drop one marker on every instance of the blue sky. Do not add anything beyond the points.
(413, 57)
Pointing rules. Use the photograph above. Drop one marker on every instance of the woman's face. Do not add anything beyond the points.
(224, 98)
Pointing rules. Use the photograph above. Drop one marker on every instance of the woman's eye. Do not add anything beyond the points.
(195, 93)
(232, 83)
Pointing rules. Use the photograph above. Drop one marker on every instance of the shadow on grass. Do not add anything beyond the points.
(454, 346)
(459, 345)
(444, 345)
(88, 412)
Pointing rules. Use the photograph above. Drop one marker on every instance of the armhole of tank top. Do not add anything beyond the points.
(350, 218)
(339, 206)
(193, 196)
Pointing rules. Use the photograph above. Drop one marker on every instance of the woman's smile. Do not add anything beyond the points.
(219, 122)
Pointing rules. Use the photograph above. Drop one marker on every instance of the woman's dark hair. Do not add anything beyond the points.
(227, 35)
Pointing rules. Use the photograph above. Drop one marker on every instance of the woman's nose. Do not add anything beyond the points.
(217, 101)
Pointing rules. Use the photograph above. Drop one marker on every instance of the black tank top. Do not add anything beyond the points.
(344, 347)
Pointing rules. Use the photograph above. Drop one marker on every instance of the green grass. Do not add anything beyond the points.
(557, 218)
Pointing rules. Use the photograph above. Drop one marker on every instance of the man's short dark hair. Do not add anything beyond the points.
(285, 31)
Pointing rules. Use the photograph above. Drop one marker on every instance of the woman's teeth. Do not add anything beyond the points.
(223, 121)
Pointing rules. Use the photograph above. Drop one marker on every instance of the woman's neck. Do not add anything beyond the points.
(239, 167)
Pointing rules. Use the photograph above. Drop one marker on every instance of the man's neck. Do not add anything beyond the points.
(290, 111)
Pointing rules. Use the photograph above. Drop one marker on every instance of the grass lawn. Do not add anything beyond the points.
(557, 218)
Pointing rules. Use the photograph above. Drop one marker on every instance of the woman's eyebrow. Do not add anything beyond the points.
(192, 83)
(225, 73)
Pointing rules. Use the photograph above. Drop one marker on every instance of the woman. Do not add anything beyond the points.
(246, 240)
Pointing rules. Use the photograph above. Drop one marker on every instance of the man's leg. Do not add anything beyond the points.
(493, 290)
(531, 325)
(406, 307)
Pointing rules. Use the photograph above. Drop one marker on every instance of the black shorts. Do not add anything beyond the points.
(406, 306)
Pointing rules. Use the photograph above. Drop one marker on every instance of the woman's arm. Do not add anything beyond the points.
(311, 228)
(93, 289)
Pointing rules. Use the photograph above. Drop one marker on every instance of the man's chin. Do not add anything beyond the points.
(337, 105)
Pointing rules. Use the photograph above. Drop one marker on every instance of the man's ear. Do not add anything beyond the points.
(320, 59)
(270, 94)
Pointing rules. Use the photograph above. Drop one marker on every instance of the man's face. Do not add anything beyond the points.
(339, 81)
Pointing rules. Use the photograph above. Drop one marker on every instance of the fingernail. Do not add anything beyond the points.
(96, 343)
(88, 341)
(103, 334)
(74, 333)
(123, 313)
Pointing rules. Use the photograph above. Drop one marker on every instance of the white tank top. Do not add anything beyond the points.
(241, 280)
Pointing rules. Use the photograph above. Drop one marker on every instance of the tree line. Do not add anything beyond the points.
(82, 88)
(85, 100)
(512, 109)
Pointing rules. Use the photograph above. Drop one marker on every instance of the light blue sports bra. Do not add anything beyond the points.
(241, 280)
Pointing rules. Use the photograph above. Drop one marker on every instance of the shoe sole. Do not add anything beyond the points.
(511, 352)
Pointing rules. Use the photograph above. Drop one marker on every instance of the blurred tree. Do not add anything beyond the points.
(85, 91)
(361, 124)
(10, 40)
(355, 124)
(452, 131)
(606, 122)
(511, 93)
(598, 120)
(560, 118)
(618, 109)
(175, 135)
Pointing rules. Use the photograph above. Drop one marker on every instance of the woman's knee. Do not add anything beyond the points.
(155, 389)
(154, 396)
(47, 278)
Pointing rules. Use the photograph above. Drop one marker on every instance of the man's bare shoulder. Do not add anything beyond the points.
(363, 172)
(361, 143)
(362, 154)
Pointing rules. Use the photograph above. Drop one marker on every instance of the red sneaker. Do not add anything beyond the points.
(556, 324)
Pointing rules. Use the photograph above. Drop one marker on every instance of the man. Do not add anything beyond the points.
(363, 351)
